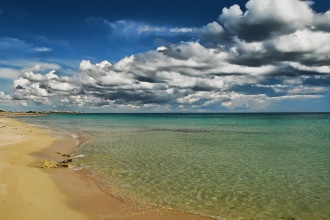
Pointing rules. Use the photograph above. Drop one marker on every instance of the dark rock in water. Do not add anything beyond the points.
(66, 163)
(63, 155)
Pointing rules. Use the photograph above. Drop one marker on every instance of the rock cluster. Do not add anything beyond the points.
(64, 155)
(52, 164)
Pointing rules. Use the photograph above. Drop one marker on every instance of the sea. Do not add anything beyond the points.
(226, 166)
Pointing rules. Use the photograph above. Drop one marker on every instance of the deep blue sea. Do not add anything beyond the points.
(227, 166)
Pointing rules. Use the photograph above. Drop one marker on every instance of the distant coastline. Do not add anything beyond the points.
(4, 113)
(35, 113)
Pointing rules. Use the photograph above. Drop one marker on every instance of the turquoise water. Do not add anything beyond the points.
(228, 166)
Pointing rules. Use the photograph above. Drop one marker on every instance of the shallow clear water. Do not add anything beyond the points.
(247, 166)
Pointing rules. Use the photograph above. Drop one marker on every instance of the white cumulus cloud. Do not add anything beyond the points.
(267, 18)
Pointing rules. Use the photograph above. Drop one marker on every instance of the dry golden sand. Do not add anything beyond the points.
(25, 192)
(32, 194)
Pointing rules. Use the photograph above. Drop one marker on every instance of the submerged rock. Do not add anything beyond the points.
(63, 155)
(66, 163)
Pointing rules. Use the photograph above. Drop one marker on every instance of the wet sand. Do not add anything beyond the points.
(33, 193)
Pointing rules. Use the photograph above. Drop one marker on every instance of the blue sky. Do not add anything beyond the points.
(165, 56)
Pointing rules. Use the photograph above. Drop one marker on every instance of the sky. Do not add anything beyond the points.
(165, 56)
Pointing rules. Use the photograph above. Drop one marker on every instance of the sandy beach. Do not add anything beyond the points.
(26, 192)
(33, 193)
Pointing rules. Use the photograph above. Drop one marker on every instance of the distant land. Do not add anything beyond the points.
(4, 113)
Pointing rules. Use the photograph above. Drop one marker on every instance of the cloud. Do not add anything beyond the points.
(303, 47)
(4, 97)
(184, 76)
(40, 87)
(8, 73)
(15, 48)
(214, 34)
(264, 19)
(133, 30)
(321, 22)
(24, 65)
(272, 52)
(129, 28)
(42, 49)
(161, 49)
(11, 43)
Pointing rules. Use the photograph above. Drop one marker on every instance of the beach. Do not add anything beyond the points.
(31, 193)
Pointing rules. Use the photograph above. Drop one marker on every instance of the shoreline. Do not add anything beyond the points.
(74, 193)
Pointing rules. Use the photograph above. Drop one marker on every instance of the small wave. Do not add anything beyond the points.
(79, 167)
(76, 138)
(79, 156)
